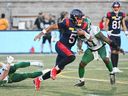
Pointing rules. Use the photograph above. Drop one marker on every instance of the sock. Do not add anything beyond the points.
(57, 67)
(81, 72)
(114, 59)
(109, 66)
(46, 75)
(81, 79)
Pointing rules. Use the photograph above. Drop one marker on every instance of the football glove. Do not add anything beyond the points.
(109, 32)
(126, 33)
(10, 59)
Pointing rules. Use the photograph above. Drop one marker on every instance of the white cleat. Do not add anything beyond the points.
(116, 70)
(38, 64)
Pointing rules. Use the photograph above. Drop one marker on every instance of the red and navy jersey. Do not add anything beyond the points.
(115, 21)
(69, 35)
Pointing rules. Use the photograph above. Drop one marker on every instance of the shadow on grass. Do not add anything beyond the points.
(16, 86)
(98, 92)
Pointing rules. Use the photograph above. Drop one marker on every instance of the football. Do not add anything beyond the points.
(81, 36)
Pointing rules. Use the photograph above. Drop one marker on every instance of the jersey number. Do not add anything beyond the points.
(116, 24)
(72, 38)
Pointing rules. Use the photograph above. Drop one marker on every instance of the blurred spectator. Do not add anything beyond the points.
(38, 24)
(126, 21)
(53, 21)
(46, 23)
(63, 15)
(3, 22)
(102, 23)
(52, 18)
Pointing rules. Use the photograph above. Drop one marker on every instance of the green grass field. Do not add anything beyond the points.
(97, 79)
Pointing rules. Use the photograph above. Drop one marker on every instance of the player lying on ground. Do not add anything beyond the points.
(97, 45)
(8, 72)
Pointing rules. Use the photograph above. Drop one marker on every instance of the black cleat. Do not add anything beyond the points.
(112, 78)
(80, 83)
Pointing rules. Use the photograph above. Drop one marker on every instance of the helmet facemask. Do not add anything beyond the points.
(77, 16)
(78, 21)
(116, 7)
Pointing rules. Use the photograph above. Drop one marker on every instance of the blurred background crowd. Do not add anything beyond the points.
(35, 15)
(22, 14)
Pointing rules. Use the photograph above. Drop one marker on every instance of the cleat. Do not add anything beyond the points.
(40, 65)
(80, 83)
(37, 64)
(37, 83)
(112, 78)
(116, 70)
(53, 73)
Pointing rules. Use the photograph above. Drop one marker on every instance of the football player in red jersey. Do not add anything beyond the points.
(63, 46)
(114, 20)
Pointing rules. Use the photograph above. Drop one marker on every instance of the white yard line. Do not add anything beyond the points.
(88, 79)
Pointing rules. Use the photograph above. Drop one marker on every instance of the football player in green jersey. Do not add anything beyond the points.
(96, 45)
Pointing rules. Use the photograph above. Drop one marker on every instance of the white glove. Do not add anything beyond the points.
(109, 32)
(87, 36)
(126, 33)
(10, 59)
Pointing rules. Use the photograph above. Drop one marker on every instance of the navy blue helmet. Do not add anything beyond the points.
(76, 15)
(115, 4)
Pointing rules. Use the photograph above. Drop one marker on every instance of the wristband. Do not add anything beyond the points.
(87, 35)
(44, 31)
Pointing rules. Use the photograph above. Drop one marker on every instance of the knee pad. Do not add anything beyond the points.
(82, 64)
(106, 60)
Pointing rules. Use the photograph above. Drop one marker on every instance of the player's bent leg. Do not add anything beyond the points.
(61, 65)
(18, 65)
(87, 57)
(112, 78)
(21, 65)
(114, 58)
(108, 64)
(81, 81)
(17, 77)
(65, 61)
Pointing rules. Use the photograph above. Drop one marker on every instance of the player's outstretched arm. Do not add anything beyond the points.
(44, 31)
(101, 36)
(110, 42)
